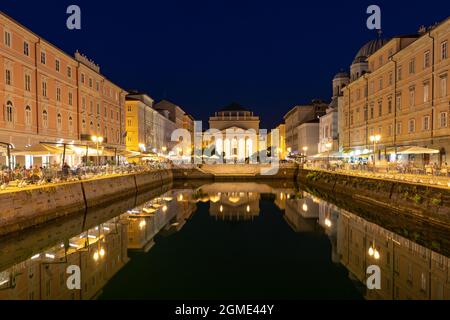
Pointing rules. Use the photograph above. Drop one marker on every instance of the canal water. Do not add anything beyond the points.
(219, 241)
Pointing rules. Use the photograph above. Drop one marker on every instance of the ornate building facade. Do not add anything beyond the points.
(399, 90)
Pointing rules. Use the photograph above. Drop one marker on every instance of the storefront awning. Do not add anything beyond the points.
(328, 155)
(416, 150)
(42, 150)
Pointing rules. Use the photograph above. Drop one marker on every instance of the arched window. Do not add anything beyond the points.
(83, 123)
(91, 126)
(70, 124)
(28, 116)
(45, 119)
(59, 121)
(9, 112)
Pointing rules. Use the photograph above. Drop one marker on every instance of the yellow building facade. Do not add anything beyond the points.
(401, 93)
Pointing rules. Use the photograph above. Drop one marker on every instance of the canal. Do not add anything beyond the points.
(222, 241)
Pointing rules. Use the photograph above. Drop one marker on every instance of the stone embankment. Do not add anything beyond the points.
(33, 206)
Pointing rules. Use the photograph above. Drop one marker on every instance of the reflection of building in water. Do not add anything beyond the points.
(100, 253)
(302, 213)
(408, 270)
(169, 211)
(328, 218)
(235, 206)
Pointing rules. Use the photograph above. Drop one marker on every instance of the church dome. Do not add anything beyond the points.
(368, 49)
(341, 75)
(233, 107)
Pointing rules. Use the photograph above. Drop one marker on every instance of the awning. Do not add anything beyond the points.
(416, 150)
(91, 152)
(41, 150)
(328, 155)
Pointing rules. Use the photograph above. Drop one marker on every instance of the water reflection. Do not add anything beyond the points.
(34, 264)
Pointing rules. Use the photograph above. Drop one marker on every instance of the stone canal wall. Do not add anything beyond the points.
(33, 206)
(424, 203)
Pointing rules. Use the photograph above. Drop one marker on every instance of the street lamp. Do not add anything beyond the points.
(97, 141)
(375, 139)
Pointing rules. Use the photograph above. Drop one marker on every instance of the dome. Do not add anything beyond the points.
(233, 107)
(341, 75)
(368, 49)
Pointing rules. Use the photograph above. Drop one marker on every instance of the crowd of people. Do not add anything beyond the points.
(37, 175)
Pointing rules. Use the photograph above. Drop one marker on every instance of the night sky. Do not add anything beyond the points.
(203, 55)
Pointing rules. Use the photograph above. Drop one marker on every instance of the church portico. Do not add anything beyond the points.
(237, 130)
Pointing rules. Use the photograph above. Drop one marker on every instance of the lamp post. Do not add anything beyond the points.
(97, 141)
(375, 139)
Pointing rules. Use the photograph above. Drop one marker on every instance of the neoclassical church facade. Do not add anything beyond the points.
(239, 132)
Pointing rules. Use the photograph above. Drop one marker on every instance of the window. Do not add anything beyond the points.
(69, 72)
(390, 105)
(371, 87)
(380, 108)
(91, 107)
(58, 94)
(412, 97)
(412, 66)
(399, 101)
(82, 78)
(380, 84)
(27, 82)
(70, 124)
(399, 128)
(91, 125)
(90, 82)
(129, 123)
(44, 88)
(412, 125)
(8, 77)
(83, 103)
(426, 123)
(83, 124)
(371, 111)
(43, 58)
(443, 119)
(443, 86)
(426, 95)
(399, 73)
(97, 86)
(9, 112)
(410, 272)
(70, 99)
(58, 65)
(28, 115)
(8, 39)
(391, 78)
(59, 121)
(426, 59)
(423, 282)
(45, 119)
(390, 130)
(26, 49)
(444, 50)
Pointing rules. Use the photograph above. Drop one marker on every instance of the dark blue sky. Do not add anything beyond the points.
(203, 55)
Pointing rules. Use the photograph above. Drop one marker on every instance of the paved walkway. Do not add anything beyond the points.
(428, 180)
